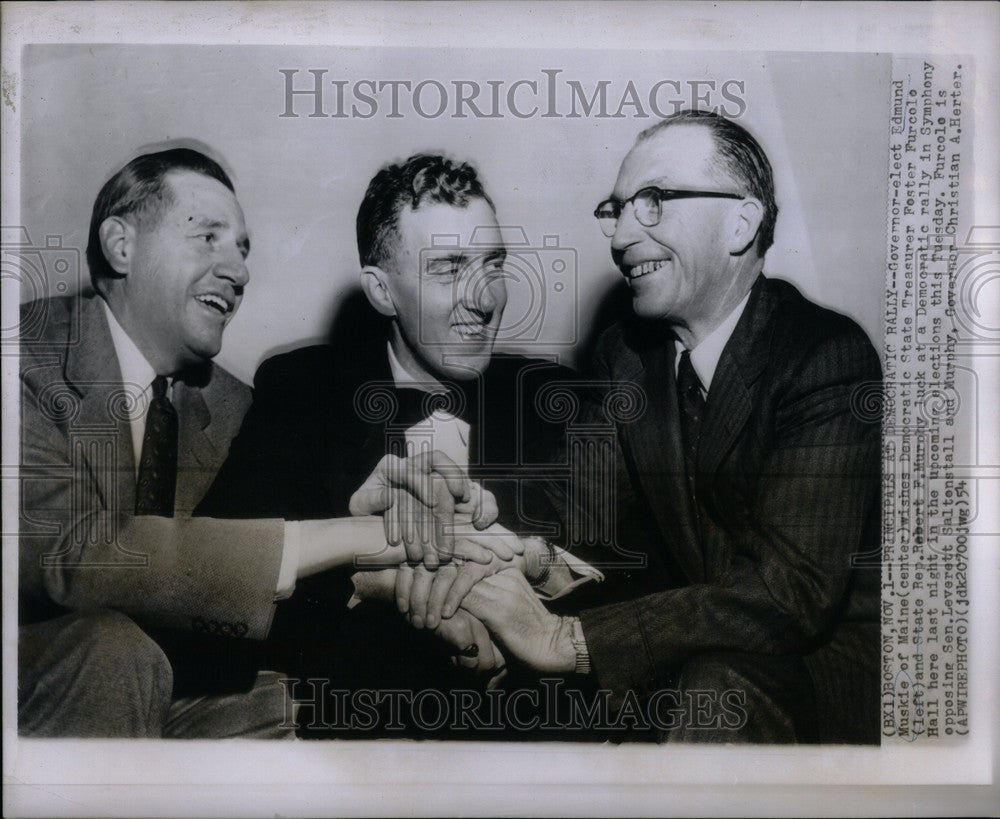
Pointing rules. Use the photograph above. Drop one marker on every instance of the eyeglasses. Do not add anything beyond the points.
(648, 206)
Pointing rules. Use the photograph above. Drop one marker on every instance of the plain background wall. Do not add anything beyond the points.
(87, 110)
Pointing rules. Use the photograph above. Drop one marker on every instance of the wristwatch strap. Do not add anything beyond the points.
(580, 646)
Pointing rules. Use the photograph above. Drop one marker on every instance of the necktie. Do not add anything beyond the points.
(692, 407)
(416, 405)
(154, 493)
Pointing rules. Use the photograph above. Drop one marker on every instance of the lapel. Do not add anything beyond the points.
(354, 406)
(100, 434)
(655, 444)
(729, 399)
(201, 445)
(498, 424)
(92, 370)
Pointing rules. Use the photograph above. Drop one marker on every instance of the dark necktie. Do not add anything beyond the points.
(692, 407)
(154, 492)
(416, 405)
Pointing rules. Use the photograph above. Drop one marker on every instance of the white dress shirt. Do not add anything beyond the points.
(441, 430)
(705, 357)
(137, 378)
(446, 433)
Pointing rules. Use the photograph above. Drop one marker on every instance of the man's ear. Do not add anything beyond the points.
(746, 222)
(118, 243)
(374, 283)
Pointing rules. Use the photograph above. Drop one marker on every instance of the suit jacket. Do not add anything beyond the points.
(321, 420)
(323, 417)
(81, 546)
(787, 492)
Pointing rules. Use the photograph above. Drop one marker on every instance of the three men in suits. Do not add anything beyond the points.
(125, 420)
(760, 484)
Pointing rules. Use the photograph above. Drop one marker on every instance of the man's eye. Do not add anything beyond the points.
(445, 269)
(208, 238)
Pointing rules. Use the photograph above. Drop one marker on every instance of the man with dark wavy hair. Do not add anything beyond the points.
(753, 619)
(415, 373)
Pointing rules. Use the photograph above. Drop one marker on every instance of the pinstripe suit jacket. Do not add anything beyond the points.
(80, 545)
(787, 492)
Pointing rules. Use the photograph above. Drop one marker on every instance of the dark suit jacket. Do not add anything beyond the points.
(787, 493)
(322, 418)
(81, 547)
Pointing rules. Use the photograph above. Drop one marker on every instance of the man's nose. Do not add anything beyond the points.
(233, 267)
(494, 296)
(627, 228)
(484, 293)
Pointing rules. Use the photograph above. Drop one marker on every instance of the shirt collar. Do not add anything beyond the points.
(133, 364)
(705, 357)
(403, 377)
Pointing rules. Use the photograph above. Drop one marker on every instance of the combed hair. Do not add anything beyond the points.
(139, 190)
(423, 178)
(738, 155)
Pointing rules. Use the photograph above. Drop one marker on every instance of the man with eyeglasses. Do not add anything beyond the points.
(760, 485)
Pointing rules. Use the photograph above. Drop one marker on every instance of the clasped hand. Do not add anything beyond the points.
(418, 498)
(428, 595)
(474, 562)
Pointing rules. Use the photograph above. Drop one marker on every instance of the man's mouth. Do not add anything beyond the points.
(643, 269)
(472, 330)
(214, 301)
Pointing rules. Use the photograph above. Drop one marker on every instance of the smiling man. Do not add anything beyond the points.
(445, 302)
(415, 372)
(125, 420)
(759, 483)
(413, 369)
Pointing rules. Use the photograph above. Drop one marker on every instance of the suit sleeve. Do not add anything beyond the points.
(79, 551)
(790, 569)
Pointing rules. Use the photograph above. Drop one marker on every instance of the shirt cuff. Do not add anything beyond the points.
(373, 585)
(566, 574)
(288, 571)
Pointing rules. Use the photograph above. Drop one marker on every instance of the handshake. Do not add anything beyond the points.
(450, 568)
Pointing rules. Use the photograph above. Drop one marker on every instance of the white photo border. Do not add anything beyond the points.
(242, 778)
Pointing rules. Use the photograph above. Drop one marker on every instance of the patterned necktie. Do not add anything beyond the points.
(692, 407)
(154, 493)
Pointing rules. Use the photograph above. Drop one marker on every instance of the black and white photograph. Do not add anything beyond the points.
(387, 411)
